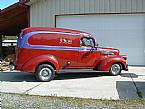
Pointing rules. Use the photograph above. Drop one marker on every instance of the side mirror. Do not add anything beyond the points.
(96, 45)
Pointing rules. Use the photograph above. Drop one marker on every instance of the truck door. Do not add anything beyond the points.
(88, 55)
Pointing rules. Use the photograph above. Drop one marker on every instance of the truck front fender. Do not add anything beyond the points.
(106, 64)
(31, 65)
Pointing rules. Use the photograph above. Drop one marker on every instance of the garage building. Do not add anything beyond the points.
(114, 23)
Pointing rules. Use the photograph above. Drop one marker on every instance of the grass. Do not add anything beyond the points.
(18, 101)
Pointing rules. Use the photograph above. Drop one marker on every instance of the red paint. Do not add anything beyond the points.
(99, 58)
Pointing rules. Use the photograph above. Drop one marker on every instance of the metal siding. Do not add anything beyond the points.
(112, 6)
(67, 6)
(139, 5)
(86, 6)
(106, 5)
(118, 6)
(123, 5)
(38, 13)
(92, 6)
(42, 13)
(76, 6)
(133, 5)
(71, 5)
(52, 13)
(33, 15)
(82, 6)
(101, 6)
(45, 14)
(96, 6)
(129, 5)
(143, 5)
(62, 7)
(57, 7)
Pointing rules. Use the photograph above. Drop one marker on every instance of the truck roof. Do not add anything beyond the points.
(32, 29)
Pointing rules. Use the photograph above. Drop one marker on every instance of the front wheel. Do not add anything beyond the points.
(45, 73)
(115, 69)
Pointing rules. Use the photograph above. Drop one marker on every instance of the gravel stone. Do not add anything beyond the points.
(16, 101)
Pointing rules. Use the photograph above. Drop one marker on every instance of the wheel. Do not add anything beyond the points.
(45, 73)
(115, 69)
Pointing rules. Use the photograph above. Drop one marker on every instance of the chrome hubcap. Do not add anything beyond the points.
(115, 68)
(45, 74)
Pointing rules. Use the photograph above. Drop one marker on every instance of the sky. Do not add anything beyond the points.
(6, 3)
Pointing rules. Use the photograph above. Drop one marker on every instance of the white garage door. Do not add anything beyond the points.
(126, 32)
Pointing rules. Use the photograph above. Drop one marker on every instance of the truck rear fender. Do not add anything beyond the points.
(32, 64)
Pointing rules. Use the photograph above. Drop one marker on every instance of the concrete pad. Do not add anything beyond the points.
(17, 87)
(105, 87)
(138, 77)
(14, 82)
(84, 85)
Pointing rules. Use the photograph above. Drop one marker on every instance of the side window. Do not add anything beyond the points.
(88, 42)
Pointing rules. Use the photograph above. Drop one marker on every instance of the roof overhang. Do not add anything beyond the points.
(13, 19)
(24, 1)
(28, 2)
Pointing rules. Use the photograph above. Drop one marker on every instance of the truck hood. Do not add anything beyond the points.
(108, 51)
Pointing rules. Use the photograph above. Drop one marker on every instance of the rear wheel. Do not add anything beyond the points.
(115, 69)
(45, 73)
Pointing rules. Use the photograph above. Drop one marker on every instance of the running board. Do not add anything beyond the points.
(79, 71)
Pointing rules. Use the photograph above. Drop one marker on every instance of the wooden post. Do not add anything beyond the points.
(1, 53)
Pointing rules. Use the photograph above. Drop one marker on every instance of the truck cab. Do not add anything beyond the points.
(46, 52)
